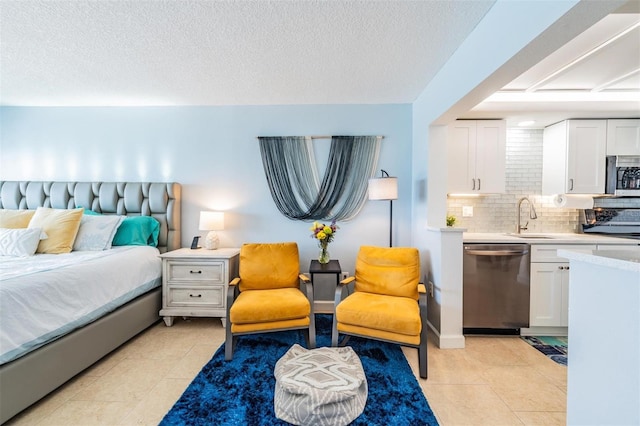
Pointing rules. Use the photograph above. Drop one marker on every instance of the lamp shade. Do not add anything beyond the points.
(211, 221)
(384, 188)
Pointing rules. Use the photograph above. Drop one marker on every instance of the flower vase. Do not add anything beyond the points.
(323, 256)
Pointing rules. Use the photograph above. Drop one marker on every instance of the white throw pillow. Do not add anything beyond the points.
(96, 232)
(20, 242)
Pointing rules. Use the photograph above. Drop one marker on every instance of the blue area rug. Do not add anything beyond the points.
(555, 348)
(240, 392)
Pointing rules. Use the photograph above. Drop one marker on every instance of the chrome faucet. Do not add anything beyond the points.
(532, 214)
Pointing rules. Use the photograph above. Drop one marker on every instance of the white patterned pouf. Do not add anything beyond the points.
(324, 386)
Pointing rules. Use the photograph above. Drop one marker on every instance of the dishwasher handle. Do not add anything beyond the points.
(496, 252)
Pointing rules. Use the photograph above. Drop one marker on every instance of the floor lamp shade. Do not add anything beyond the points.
(212, 222)
(384, 188)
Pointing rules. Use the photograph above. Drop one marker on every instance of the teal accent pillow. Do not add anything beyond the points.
(134, 230)
(137, 231)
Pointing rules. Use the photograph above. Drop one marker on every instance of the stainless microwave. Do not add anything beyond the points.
(623, 175)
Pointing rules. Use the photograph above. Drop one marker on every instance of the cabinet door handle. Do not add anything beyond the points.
(570, 184)
(195, 272)
(474, 184)
(195, 295)
(478, 184)
(561, 267)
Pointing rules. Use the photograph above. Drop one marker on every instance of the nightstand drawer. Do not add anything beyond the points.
(213, 272)
(211, 297)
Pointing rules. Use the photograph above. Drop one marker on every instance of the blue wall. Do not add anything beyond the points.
(214, 154)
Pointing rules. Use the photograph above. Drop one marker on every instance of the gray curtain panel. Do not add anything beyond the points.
(292, 175)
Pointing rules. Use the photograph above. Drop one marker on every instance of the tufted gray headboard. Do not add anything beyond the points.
(160, 200)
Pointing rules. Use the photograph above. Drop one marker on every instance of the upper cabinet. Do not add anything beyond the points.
(476, 156)
(623, 137)
(574, 157)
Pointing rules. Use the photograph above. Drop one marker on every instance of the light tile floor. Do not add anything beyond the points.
(493, 381)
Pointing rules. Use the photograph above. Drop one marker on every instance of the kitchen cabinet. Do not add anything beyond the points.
(623, 137)
(549, 294)
(476, 157)
(574, 157)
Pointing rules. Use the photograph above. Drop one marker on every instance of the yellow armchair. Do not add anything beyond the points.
(269, 295)
(388, 302)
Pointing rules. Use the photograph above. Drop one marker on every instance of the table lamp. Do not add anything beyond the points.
(212, 222)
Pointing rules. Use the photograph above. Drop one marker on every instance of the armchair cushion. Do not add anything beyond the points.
(260, 306)
(269, 266)
(371, 333)
(398, 315)
(391, 271)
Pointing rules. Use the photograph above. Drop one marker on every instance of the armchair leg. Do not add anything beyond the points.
(334, 332)
(229, 343)
(422, 359)
(230, 340)
(422, 349)
(311, 333)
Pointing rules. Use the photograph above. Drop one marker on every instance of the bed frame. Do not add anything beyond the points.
(31, 377)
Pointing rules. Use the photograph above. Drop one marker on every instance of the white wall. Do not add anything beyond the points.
(214, 154)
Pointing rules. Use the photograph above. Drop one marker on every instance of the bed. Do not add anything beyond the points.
(31, 373)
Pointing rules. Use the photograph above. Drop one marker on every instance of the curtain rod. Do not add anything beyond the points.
(312, 137)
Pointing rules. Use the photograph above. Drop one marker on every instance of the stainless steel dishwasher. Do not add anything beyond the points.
(495, 288)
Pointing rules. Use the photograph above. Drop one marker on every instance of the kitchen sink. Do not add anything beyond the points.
(536, 236)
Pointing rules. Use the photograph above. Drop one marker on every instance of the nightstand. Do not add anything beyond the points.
(194, 282)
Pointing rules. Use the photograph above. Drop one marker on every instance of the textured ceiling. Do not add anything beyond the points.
(226, 52)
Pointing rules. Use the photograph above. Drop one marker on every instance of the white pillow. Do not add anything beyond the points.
(20, 242)
(96, 232)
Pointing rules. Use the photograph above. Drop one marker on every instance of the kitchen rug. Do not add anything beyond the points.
(553, 347)
(240, 391)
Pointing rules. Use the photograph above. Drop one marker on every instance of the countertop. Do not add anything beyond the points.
(549, 238)
(618, 259)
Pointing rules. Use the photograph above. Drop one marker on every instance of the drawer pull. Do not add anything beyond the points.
(195, 295)
(195, 272)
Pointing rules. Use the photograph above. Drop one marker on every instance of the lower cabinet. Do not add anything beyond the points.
(549, 291)
(549, 295)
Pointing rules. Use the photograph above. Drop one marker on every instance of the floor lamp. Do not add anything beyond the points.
(385, 188)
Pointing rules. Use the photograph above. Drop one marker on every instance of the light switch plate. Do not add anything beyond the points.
(467, 211)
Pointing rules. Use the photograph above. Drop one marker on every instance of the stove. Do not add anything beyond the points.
(615, 222)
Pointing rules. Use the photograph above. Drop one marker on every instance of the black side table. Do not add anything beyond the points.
(333, 267)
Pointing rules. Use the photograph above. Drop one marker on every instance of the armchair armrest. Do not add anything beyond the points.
(304, 278)
(348, 280)
(235, 281)
(422, 288)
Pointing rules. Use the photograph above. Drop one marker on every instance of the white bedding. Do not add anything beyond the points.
(45, 296)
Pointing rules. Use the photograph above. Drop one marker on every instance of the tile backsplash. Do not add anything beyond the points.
(497, 213)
